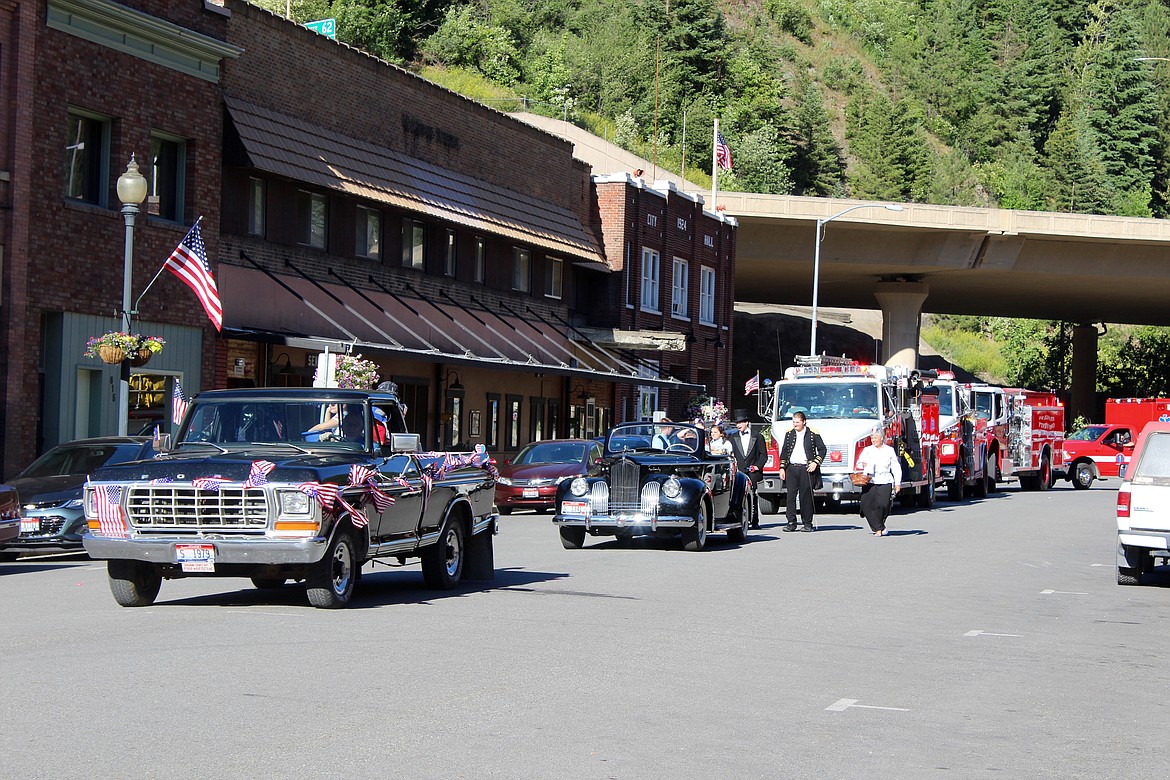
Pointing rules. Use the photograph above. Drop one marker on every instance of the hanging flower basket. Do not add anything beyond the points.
(116, 346)
(355, 373)
(110, 353)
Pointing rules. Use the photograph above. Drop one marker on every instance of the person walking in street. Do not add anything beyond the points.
(750, 456)
(801, 456)
(880, 462)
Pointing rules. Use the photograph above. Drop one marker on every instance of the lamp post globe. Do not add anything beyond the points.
(131, 191)
(817, 258)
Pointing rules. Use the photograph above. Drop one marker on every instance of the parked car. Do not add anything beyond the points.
(530, 480)
(9, 513)
(1143, 506)
(656, 479)
(51, 491)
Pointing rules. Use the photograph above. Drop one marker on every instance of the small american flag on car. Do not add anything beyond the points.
(258, 474)
(179, 403)
(111, 519)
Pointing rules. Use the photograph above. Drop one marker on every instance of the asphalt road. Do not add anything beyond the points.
(983, 639)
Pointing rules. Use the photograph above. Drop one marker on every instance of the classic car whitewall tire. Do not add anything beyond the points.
(442, 563)
(133, 583)
(695, 539)
(331, 580)
(572, 537)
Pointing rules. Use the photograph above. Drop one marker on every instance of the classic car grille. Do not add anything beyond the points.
(624, 487)
(178, 506)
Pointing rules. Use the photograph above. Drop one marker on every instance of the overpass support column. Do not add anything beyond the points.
(901, 304)
(1084, 374)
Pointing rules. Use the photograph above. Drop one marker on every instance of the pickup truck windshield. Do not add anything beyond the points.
(328, 423)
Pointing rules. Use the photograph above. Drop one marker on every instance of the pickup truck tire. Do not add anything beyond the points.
(442, 563)
(269, 583)
(133, 583)
(695, 539)
(766, 505)
(481, 557)
(573, 537)
(1082, 476)
(331, 580)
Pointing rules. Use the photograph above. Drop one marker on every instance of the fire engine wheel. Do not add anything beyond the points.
(955, 485)
(980, 487)
(927, 496)
(1046, 480)
(991, 473)
(1082, 476)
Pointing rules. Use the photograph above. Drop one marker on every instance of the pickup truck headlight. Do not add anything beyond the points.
(579, 487)
(294, 502)
(504, 480)
(671, 488)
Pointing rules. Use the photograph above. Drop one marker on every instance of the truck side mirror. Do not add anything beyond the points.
(405, 442)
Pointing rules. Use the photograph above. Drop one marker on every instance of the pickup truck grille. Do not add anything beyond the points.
(184, 507)
(624, 487)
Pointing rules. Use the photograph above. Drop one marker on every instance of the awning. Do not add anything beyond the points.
(290, 147)
(297, 310)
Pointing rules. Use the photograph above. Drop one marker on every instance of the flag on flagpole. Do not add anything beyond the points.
(179, 403)
(189, 263)
(722, 152)
(752, 385)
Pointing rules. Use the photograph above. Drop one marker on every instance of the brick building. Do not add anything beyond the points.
(347, 205)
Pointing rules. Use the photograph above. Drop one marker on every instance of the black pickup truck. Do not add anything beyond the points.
(303, 484)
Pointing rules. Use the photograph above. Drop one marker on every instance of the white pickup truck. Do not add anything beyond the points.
(1143, 506)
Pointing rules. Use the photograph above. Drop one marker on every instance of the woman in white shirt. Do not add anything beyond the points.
(880, 462)
(720, 444)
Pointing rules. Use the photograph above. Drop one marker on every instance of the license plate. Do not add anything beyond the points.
(531, 493)
(196, 557)
(29, 525)
(574, 508)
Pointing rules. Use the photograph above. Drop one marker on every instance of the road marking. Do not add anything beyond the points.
(843, 704)
(975, 632)
(1063, 592)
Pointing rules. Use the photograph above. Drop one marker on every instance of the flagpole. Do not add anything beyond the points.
(161, 269)
(715, 165)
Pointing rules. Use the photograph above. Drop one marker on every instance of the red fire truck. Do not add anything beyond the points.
(965, 440)
(843, 400)
(1099, 451)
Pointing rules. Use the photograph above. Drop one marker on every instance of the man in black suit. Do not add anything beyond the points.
(800, 463)
(750, 456)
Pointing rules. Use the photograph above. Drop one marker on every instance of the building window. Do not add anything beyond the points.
(453, 422)
(480, 260)
(311, 208)
(626, 277)
(449, 258)
(652, 220)
(167, 177)
(681, 223)
(679, 287)
(368, 233)
(707, 295)
(709, 241)
(414, 243)
(87, 172)
(554, 277)
(492, 432)
(521, 263)
(536, 419)
(650, 280)
(513, 422)
(256, 204)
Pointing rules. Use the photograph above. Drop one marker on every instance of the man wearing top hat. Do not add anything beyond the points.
(750, 455)
(801, 456)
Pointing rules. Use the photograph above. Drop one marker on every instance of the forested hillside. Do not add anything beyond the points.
(1028, 104)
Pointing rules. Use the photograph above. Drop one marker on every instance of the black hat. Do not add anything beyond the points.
(741, 415)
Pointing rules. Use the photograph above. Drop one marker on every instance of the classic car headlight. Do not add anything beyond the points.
(504, 480)
(579, 487)
(294, 502)
(671, 488)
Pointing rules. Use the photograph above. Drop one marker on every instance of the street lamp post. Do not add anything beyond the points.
(131, 191)
(817, 259)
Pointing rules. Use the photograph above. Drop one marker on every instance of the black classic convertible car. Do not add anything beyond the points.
(656, 479)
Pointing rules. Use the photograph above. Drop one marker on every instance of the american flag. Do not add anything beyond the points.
(189, 263)
(326, 494)
(179, 403)
(209, 483)
(722, 152)
(258, 474)
(111, 520)
(752, 385)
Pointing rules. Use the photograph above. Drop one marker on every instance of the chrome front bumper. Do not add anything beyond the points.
(634, 522)
(161, 549)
